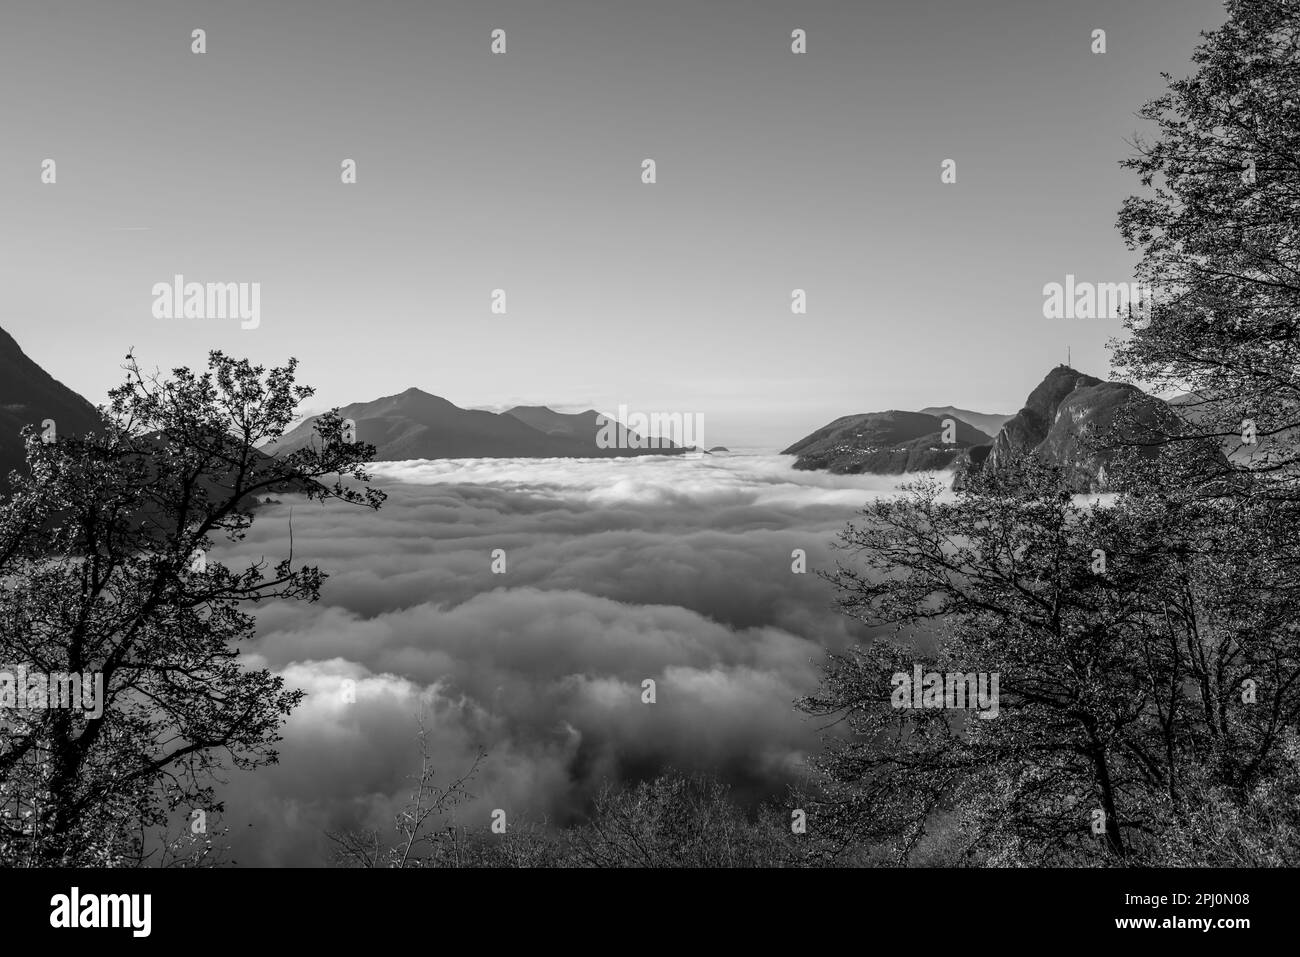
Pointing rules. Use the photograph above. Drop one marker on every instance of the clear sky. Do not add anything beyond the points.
(522, 171)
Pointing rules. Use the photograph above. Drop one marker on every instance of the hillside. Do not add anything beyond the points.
(888, 443)
(28, 396)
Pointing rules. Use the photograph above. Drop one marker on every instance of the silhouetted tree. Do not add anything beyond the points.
(104, 570)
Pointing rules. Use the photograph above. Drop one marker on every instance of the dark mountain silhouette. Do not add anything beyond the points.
(886, 443)
(28, 396)
(987, 423)
(417, 425)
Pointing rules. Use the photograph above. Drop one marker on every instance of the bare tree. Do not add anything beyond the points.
(420, 841)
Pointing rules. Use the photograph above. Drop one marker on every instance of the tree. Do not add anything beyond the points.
(673, 820)
(681, 820)
(425, 837)
(1125, 638)
(104, 572)
(1147, 646)
(1218, 228)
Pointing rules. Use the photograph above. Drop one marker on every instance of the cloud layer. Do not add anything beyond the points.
(616, 571)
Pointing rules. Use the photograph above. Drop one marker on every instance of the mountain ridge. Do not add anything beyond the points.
(28, 396)
(988, 423)
(415, 424)
(1057, 423)
(888, 443)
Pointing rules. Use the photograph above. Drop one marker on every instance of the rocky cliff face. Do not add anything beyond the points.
(1029, 427)
(1074, 421)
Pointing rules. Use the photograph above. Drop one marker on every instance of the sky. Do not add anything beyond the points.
(522, 171)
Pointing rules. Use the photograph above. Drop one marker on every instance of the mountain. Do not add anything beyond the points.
(1213, 417)
(986, 423)
(885, 443)
(28, 396)
(1029, 427)
(1060, 418)
(546, 420)
(1063, 413)
(585, 427)
(300, 416)
(417, 425)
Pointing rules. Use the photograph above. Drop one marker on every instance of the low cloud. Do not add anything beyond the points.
(667, 569)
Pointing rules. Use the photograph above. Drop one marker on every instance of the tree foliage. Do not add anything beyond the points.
(1155, 692)
(1218, 229)
(104, 571)
(1127, 636)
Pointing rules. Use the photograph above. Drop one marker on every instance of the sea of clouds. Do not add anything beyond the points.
(617, 570)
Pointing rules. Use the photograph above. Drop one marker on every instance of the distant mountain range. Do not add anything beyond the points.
(416, 425)
(986, 423)
(1060, 415)
(28, 396)
(1064, 409)
(1225, 420)
(410, 425)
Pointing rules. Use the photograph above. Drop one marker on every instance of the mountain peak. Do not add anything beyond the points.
(29, 395)
(1062, 416)
(417, 395)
